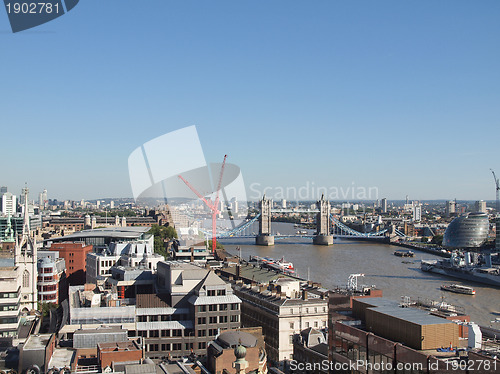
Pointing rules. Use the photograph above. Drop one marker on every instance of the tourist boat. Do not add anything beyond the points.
(458, 288)
(281, 265)
(404, 253)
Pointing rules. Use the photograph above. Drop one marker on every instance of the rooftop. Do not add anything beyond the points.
(100, 330)
(392, 308)
(37, 342)
(132, 232)
(129, 345)
(256, 274)
(230, 339)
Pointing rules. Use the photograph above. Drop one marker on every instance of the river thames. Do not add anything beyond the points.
(396, 276)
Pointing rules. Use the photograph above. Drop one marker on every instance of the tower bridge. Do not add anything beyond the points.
(328, 226)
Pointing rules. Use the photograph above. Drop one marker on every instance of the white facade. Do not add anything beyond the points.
(18, 281)
(480, 206)
(417, 213)
(8, 203)
(131, 254)
(10, 298)
(281, 314)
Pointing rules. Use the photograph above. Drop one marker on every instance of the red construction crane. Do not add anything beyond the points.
(213, 206)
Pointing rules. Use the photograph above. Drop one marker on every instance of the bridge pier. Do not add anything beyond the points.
(264, 240)
(265, 237)
(323, 233)
(323, 240)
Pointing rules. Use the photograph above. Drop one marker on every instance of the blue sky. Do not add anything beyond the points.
(401, 95)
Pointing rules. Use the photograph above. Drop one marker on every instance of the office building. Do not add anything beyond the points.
(52, 283)
(43, 201)
(375, 331)
(384, 205)
(192, 306)
(466, 231)
(417, 213)
(9, 206)
(283, 310)
(74, 255)
(132, 254)
(480, 206)
(450, 208)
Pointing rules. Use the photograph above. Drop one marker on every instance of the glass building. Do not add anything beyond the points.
(467, 231)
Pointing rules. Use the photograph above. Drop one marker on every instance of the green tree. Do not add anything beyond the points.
(437, 239)
(218, 245)
(162, 234)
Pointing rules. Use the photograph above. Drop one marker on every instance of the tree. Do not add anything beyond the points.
(218, 245)
(437, 239)
(162, 234)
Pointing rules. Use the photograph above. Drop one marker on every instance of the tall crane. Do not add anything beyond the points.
(213, 206)
(497, 185)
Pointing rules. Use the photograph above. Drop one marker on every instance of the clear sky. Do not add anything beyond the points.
(401, 95)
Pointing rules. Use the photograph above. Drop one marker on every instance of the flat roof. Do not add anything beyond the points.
(36, 342)
(111, 232)
(413, 315)
(100, 330)
(128, 345)
(392, 308)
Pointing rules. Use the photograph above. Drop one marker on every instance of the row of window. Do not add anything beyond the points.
(219, 319)
(46, 279)
(307, 324)
(48, 288)
(216, 292)
(5, 320)
(8, 307)
(8, 295)
(167, 347)
(167, 317)
(312, 310)
(215, 307)
(162, 333)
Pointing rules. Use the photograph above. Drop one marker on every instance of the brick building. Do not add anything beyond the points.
(220, 353)
(75, 256)
(110, 354)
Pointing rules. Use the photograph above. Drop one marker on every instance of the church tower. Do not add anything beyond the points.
(26, 262)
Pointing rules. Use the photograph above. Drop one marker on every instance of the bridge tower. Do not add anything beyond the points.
(265, 237)
(323, 233)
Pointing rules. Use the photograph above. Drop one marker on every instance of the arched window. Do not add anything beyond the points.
(26, 279)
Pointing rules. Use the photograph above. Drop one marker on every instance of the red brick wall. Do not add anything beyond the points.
(107, 358)
(75, 255)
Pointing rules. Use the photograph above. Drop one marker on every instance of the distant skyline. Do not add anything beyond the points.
(401, 96)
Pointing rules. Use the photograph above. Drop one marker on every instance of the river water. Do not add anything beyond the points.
(332, 265)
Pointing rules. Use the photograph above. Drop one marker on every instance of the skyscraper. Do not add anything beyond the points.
(384, 205)
(417, 213)
(42, 200)
(480, 206)
(8, 203)
(450, 208)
